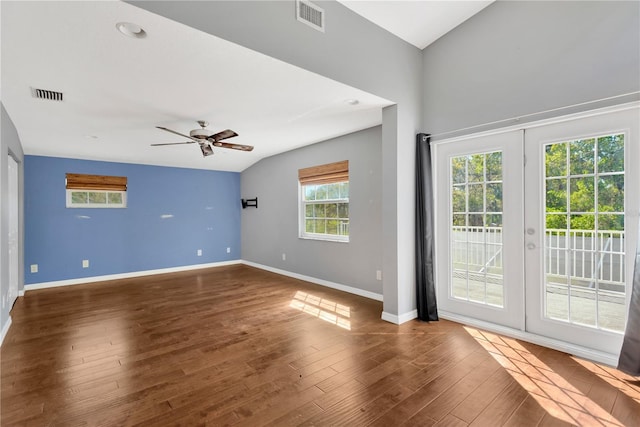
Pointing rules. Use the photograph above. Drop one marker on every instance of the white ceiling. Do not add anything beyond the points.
(117, 89)
(419, 22)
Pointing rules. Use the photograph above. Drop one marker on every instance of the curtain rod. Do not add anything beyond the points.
(517, 119)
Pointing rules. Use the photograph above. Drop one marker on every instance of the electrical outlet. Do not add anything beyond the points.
(284, 257)
(378, 275)
(199, 252)
(228, 250)
(34, 268)
(85, 263)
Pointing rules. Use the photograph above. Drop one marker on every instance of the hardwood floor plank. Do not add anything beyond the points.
(344, 376)
(266, 409)
(502, 407)
(440, 407)
(231, 346)
(442, 378)
(550, 421)
(450, 421)
(361, 408)
(480, 398)
(626, 410)
(529, 413)
(297, 416)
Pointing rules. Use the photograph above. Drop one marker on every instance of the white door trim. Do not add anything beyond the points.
(13, 184)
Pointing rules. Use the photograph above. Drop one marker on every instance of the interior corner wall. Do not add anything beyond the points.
(515, 59)
(353, 51)
(170, 214)
(9, 145)
(272, 229)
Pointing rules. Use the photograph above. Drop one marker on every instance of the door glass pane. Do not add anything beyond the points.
(476, 234)
(584, 233)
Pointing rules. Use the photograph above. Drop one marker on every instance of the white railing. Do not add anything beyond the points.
(586, 256)
(343, 228)
(477, 249)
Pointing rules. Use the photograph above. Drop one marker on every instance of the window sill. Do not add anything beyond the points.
(336, 239)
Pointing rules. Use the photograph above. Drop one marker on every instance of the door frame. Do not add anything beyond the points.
(13, 225)
(521, 334)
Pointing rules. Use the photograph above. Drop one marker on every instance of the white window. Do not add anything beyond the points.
(96, 199)
(324, 202)
(96, 191)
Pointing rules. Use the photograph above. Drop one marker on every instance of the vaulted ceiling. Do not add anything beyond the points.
(117, 89)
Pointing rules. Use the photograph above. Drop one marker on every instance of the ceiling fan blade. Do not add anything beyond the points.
(233, 146)
(223, 135)
(206, 149)
(178, 133)
(173, 143)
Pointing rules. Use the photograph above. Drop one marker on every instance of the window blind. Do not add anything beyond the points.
(76, 181)
(324, 174)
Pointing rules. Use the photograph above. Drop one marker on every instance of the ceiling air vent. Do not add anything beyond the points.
(310, 14)
(46, 94)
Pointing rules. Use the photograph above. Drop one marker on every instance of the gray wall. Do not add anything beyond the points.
(356, 52)
(512, 59)
(272, 229)
(9, 144)
(520, 58)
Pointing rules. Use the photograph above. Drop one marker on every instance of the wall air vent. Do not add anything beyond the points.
(310, 14)
(46, 94)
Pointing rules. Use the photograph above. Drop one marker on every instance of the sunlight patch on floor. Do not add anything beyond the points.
(323, 309)
(623, 382)
(552, 392)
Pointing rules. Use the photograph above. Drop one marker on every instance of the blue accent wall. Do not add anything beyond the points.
(170, 214)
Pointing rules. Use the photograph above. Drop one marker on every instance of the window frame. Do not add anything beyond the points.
(302, 204)
(71, 204)
(326, 174)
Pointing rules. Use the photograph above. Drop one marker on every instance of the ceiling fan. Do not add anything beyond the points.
(206, 139)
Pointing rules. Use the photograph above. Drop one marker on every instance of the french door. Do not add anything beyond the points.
(479, 228)
(541, 248)
(581, 219)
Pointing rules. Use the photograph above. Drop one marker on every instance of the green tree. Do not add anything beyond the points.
(602, 157)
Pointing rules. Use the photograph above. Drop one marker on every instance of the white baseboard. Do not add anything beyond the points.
(21, 293)
(83, 280)
(333, 285)
(399, 319)
(575, 350)
(5, 329)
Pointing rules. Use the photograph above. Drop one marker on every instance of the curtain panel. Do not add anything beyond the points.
(425, 274)
(629, 361)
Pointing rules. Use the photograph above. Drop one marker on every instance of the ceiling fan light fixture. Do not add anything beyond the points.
(200, 133)
(131, 30)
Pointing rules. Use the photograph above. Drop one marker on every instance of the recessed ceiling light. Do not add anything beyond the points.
(352, 101)
(131, 30)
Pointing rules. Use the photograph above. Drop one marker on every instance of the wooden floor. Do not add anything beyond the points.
(240, 346)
